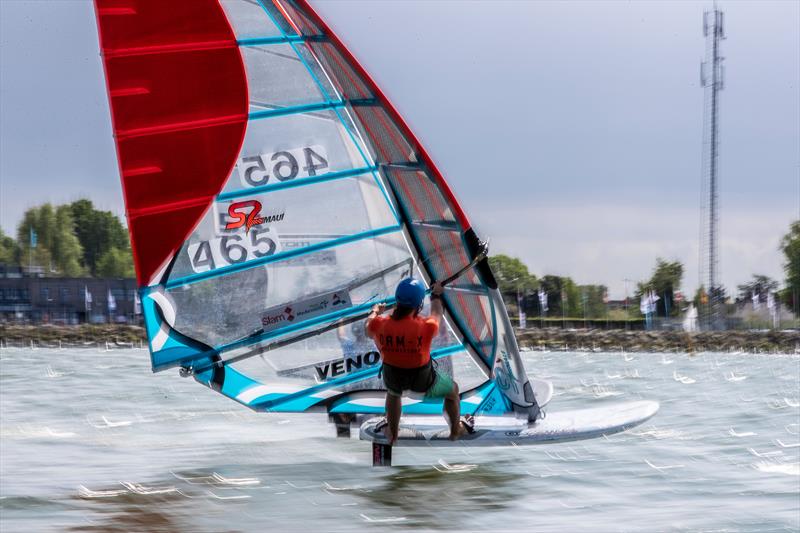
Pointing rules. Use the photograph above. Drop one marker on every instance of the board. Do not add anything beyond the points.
(558, 426)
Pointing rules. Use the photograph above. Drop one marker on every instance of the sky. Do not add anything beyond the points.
(571, 132)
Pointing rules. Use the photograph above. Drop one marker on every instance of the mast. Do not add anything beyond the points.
(711, 77)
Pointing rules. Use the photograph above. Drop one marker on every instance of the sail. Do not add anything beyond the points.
(274, 195)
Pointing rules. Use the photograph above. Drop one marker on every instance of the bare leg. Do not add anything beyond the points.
(452, 410)
(394, 407)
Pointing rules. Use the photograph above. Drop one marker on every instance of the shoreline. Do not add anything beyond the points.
(553, 339)
(83, 335)
(768, 341)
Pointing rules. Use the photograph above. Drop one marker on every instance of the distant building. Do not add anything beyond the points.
(34, 299)
(613, 305)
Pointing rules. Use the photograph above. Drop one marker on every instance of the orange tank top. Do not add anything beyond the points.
(404, 343)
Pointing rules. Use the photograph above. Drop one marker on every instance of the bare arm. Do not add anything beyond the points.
(377, 309)
(437, 308)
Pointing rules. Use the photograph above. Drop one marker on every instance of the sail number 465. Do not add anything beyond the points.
(284, 165)
(233, 249)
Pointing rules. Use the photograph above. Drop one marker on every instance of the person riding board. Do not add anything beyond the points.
(404, 341)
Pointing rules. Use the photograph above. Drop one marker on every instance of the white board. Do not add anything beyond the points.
(557, 426)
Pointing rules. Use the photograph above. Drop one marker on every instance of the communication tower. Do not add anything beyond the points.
(711, 79)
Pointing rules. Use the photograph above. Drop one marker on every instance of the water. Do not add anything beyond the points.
(92, 441)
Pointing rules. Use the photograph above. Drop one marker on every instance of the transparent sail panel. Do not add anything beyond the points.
(252, 228)
(249, 20)
(224, 309)
(278, 78)
(345, 360)
(281, 149)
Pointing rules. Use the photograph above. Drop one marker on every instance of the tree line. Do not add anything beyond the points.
(70, 240)
(556, 296)
(76, 239)
(559, 296)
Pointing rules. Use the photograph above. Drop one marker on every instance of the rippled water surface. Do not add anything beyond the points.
(92, 441)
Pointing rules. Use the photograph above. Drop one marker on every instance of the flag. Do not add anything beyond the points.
(543, 301)
(112, 303)
(647, 304)
(653, 299)
(87, 298)
(756, 301)
(137, 304)
(34, 238)
(605, 296)
(772, 305)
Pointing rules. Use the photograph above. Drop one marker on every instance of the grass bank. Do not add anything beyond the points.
(661, 341)
(534, 338)
(83, 334)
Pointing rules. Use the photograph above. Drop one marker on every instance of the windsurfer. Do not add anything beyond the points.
(404, 340)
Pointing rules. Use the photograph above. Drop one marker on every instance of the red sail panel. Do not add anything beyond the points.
(178, 95)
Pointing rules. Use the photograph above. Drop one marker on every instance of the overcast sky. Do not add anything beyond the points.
(570, 131)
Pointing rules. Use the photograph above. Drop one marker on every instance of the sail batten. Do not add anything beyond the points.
(240, 193)
(281, 39)
(294, 110)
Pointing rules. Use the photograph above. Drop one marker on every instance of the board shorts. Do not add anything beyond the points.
(423, 380)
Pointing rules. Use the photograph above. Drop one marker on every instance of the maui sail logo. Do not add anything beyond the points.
(248, 214)
(238, 211)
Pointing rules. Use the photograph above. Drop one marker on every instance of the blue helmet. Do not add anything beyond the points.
(410, 293)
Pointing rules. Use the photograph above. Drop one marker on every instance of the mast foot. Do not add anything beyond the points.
(381, 454)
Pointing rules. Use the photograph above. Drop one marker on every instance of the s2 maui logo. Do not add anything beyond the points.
(248, 214)
(238, 211)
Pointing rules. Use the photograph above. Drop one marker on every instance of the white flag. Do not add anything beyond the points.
(87, 298)
(137, 304)
(112, 303)
(756, 301)
(543, 300)
(770, 301)
(651, 301)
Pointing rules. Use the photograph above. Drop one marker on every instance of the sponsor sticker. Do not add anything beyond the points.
(283, 315)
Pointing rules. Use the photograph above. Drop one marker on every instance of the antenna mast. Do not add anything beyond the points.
(711, 79)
